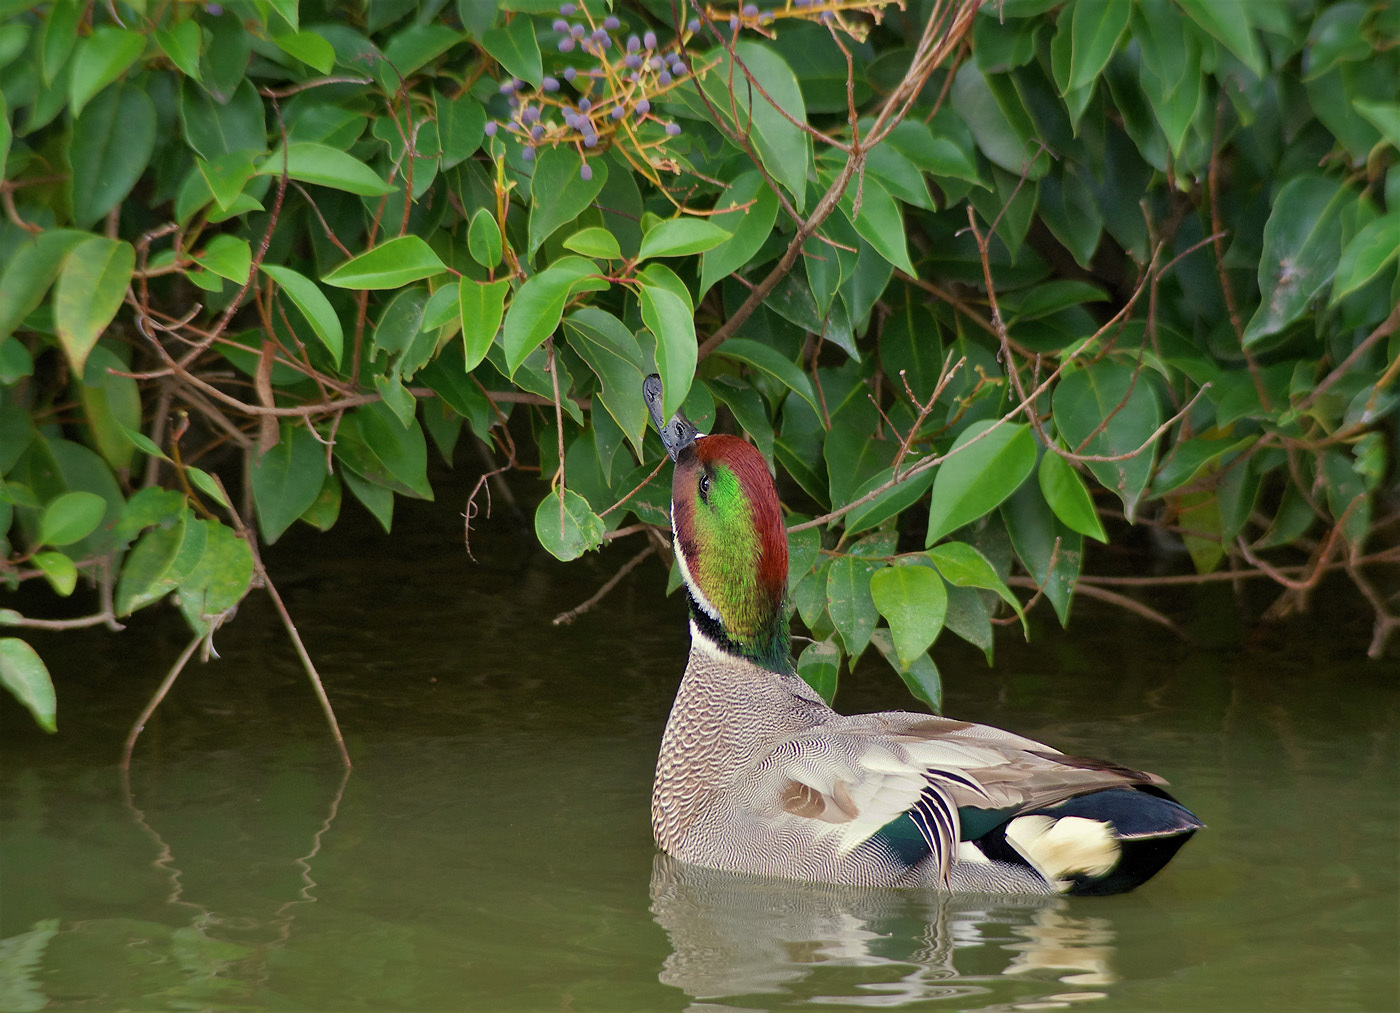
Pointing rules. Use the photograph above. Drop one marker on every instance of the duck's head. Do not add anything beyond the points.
(730, 540)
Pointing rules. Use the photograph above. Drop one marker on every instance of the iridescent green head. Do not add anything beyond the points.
(730, 539)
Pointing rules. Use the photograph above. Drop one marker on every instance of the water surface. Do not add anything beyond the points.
(490, 850)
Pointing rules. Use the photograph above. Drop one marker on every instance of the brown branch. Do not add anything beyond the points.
(565, 618)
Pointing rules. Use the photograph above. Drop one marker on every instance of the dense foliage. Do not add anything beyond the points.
(980, 284)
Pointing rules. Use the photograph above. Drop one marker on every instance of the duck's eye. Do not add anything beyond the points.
(704, 484)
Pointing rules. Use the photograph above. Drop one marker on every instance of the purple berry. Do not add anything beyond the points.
(611, 23)
(491, 128)
(551, 84)
(529, 114)
(618, 112)
(571, 120)
(828, 17)
(605, 42)
(656, 63)
(507, 87)
(567, 9)
(527, 154)
(570, 73)
(560, 25)
(663, 79)
(633, 43)
(643, 107)
(649, 40)
(633, 61)
(590, 139)
(673, 129)
(566, 44)
(585, 172)
(537, 131)
(693, 25)
(750, 10)
(577, 31)
(734, 24)
(585, 104)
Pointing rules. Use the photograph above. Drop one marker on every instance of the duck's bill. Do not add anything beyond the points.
(679, 432)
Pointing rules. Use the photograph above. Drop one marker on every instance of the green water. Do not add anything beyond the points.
(491, 851)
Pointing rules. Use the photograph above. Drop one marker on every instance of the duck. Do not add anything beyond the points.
(756, 773)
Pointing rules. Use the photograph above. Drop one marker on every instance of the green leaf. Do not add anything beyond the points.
(1004, 131)
(513, 46)
(309, 48)
(611, 351)
(1302, 247)
(219, 582)
(974, 481)
(1068, 496)
(879, 223)
(484, 239)
(914, 602)
(482, 306)
(22, 672)
(159, 562)
(70, 518)
(228, 257)
(1230, 23)
(1384, 116)
(849, 602)
(461, 124)
(1369, 251)
(681, 237)
(90, 290)
(783, 147)
(671, 320)
(594, 242)
(1040, 540)
(204, 481)
(400, 336)
(216, 129)
(921, 677)
(326, 166)
(286, 479)
(313, 304)
(29, 269)
(99, 60)
(749, 227)
(112, 404)
(1095, 27)
(963, 566)
(819, 664)
(392, 264)
(536, 308)
(772, 362)
(58, 570)
(560, 193)
(112, 144)
(580, 531)
(1120, 411)
(182, 42)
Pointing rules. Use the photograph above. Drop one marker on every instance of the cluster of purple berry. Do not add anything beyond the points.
(614, 88)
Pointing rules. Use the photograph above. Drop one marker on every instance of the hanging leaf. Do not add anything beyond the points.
(974, 481)
(819, 664)
(90, 290)
(313, 304)
(1109, 402)
(392, 264)
(326, 166)
(568, 193)
(581, 530)
(681, 237)
(914, 602)
(112, 143)
(23, 673)
(1068, 496)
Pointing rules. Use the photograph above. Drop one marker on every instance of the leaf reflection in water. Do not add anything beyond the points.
(734, 935)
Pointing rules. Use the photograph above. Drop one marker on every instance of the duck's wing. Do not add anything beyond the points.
(864, 774)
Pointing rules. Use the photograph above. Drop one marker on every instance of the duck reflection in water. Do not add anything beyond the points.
(736, 935)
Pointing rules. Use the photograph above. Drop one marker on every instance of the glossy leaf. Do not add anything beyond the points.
(514, 47)
(1368, 252)
(112, 143)
(90, 290)
(914, 602)
(594, 242)
(461, 122)
(819, 664)
(70, 518)
(921, 677)
(849, 601)
(228, 257)
(749, 227)
(484, 239)
(1095, 27)
(181, 42)
(286, 479)
(670, 319)
(536, 308)
(111, 405)
(482, 307)
(974, 481)
(99, 60)
(611, 351)
(159, 561)
(768, 360)
(680, 237)
(1069, 497)
(308, 47)
(963, 566)
(566, 194)
(1119, 410)
(313, 304)
(391, 264)
(325, 166)
(23, 673)
(59, 571)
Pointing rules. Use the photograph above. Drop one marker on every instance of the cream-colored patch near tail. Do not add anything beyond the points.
(1068, 846)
